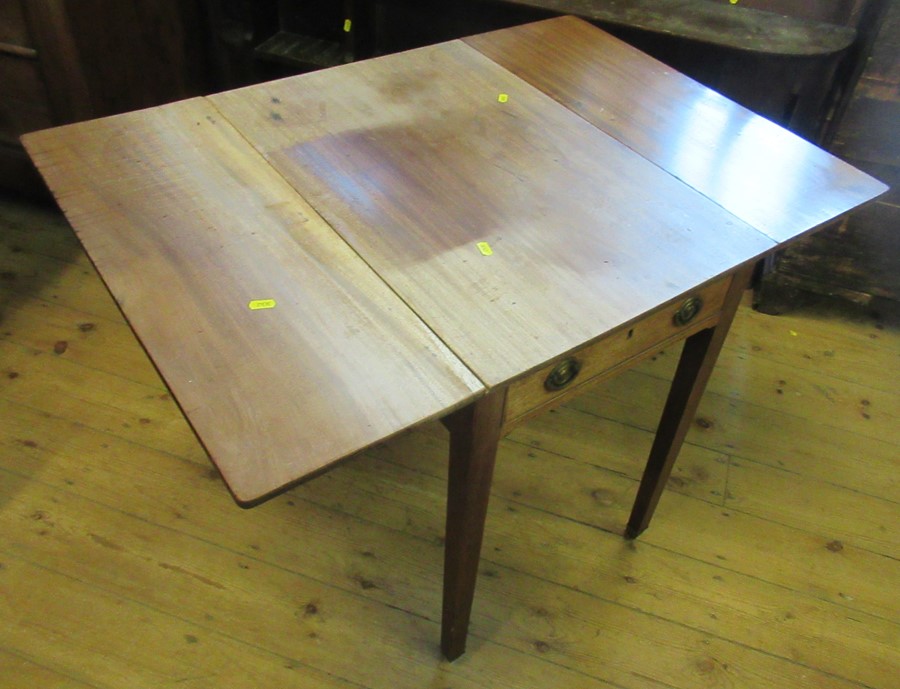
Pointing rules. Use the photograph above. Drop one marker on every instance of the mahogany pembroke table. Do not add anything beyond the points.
(472, 231)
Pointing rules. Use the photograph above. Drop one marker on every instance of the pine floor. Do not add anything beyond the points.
(772, 562)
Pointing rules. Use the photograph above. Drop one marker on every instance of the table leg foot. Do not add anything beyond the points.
(474, 436)
(631, 532)
(694, 369)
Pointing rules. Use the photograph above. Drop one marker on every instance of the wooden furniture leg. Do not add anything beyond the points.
(474, 436)
(694, 369)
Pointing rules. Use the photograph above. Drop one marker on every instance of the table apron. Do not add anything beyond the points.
(614, 353)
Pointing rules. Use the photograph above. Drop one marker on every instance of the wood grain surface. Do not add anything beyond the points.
(188, 225)
(123, 565)
(416, 158)
(763, 174)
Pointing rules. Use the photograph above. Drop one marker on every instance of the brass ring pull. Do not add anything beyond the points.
(562, 374)
(686, 312)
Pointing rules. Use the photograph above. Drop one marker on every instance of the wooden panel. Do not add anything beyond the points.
(614, 352)
(13, 29)
(161, 44)
(61, 61)
(24, 105)
(414, 159)
(187, 225)
(102, 58)
(763, 174)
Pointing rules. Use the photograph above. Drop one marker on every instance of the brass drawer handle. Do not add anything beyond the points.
(686, 312)
(562, 374)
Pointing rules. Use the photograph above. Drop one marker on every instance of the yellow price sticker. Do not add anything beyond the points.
(502, 98)
(258, 304)
(485, 249)
(348, 24)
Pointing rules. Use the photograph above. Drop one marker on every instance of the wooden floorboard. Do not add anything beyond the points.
(772, 560)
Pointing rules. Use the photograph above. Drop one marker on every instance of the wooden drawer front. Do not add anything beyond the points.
(13, 29)
(617, 350)
(24, 106)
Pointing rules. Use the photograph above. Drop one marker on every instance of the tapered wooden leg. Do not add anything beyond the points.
(474, 436)
(694, 369)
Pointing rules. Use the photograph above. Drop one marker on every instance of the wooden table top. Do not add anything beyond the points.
(762, 173)
(361, 201)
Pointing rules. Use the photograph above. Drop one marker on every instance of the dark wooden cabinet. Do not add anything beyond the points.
(856, 261)
(68, 60)
(258, 41)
